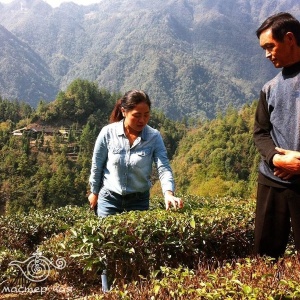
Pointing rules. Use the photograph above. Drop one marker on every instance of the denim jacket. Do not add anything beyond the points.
(124, 169)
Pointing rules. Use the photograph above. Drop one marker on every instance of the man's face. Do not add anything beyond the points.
(279, 53)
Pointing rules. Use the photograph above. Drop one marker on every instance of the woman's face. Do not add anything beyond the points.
(137, 118)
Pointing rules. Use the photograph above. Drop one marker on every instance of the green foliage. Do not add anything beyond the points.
(14, 111)
(191, 67)
(81, 100)
(25, 232)
(219, 156)
(200, 252)
(22, 234)
(171, 131)
(136, 243)
(39, 180)
(53, 171)
(245, 279)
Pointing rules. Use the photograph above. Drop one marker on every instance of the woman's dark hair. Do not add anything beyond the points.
(129, 101)
(280, 24)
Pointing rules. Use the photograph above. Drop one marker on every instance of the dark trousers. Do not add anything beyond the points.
(277, 210)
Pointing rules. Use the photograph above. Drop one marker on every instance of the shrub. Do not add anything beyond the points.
(26, 232)
(136, 243)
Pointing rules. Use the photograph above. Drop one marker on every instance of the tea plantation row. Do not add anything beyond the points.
(203, 251)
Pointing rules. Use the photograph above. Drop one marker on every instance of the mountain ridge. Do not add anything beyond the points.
(194, 58)
(22, 64)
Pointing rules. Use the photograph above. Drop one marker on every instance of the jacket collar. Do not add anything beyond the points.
(120, 130)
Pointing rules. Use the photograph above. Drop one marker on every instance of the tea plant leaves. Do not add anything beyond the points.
(200, 252)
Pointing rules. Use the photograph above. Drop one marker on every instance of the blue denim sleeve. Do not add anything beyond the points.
(98, 162)
(163, 166)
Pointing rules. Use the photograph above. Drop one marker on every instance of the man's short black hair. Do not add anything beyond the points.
(280, 24)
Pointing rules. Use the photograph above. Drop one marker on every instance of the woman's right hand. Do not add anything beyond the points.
(93, 199)
(172, 201)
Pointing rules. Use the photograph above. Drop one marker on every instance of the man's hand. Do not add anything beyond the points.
(287, 163)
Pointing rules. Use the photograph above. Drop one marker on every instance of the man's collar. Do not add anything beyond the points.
(290, 70)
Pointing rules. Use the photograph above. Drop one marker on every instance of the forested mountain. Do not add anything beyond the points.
(24, 75)
(219, 157)
(50, 164)
(193, 57)
(47, 151)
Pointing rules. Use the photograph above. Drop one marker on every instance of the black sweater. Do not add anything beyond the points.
(277, 123)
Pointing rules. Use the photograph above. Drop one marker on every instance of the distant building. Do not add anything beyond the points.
(19, 131)
(35, 129)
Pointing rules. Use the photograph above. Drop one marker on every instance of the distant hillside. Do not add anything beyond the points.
(193, 57)
(219, 157)
(24, 75)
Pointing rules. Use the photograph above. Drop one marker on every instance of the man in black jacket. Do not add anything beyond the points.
(277, 138)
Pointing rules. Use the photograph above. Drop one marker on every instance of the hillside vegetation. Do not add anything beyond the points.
(203, 251)
(213, 158)
(218, 157)
(194, 58)
(50, 169)
(200, 252)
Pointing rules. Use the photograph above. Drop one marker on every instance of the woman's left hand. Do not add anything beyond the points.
(172, 201)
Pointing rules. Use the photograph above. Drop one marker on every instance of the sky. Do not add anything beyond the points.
(56, 3)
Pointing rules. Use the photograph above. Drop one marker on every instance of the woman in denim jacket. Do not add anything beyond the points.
(123, 157)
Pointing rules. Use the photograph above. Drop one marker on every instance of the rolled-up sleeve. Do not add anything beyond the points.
(163, 166)
(98, 162)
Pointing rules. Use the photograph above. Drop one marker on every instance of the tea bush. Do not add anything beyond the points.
(135, 243)
(26, 232)
(243, 279)
(200, 252)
